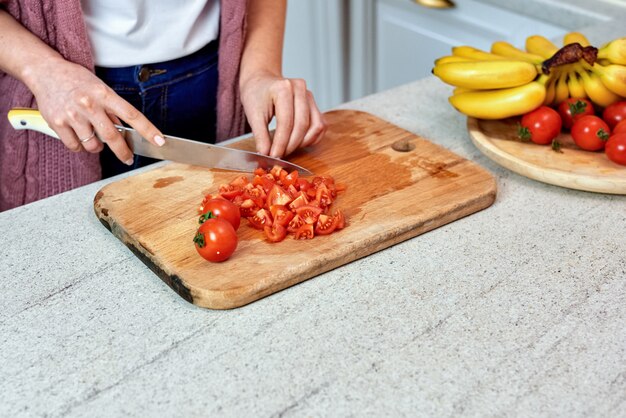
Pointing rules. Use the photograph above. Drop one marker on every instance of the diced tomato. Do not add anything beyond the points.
(325, 225)
(263, 181)
(248, 208)
(293, 192)
(304, 184)
(228, 191)
(300, 200)
(260, 172)
(290, 179)
(305, 232)
(275, 233)
(323, 196)
(260, 219)
(295, 223)
(309, 213)
(277, 172)
(278, 196)
(240, 181)
(341, 220)
(281, 215)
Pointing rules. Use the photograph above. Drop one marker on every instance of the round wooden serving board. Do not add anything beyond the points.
(572, 168)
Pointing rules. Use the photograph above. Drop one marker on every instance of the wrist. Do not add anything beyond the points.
(36, 72)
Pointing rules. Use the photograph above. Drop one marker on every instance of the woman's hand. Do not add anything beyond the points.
(78, 106)
(299, 123)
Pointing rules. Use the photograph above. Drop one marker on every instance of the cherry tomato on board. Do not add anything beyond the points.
(572, 109)
(620, 128)
(614, 113)
(215, 240)
(221, 208)
(615, 148)
(541, 126)
(275, 233)
(590, 133)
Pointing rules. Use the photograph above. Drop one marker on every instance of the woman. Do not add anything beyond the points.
(147, 52)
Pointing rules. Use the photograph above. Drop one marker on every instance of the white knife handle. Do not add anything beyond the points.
(22, 118)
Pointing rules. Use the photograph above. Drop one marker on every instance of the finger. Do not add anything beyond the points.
(88, 140)
(109, 134)
(68, 137)
(258, 124)
(127, 112)
(283, 106)
(301, 115)
(317, 127)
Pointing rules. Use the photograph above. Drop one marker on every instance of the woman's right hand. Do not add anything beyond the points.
(76, 104)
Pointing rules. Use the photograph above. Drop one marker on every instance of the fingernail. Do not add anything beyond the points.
(159, 140)
(130, 161)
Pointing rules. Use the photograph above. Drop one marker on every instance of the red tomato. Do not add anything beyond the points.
(215, 240)
(615, 148)
(305, 232)
(309, 213)
(248, 208)
(295, 223)
(260, 219)
(341, 221)
(541, 126)
(323, 196)
(572, 109)
(615, 113)
(278, 196)
(325, 225)
(275, 233)
(590, 133)
(620, 128)
(221, 208)
(281, 215)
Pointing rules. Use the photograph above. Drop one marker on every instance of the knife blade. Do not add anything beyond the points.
(177, 149)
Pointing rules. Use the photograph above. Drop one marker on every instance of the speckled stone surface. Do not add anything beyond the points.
(518, 310)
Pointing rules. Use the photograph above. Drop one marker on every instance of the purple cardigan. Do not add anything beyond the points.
(33, 166)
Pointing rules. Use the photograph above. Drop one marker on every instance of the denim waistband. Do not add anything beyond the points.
(147, 75)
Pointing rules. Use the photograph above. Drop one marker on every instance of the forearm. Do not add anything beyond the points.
(21, 51)
(263, 47)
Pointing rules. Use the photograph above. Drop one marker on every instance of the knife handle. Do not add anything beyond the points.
(24, 118)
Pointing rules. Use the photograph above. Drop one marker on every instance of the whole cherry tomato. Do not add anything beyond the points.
(541, 126)
(215, 240)
(574, 108)
(221, 208)
(615, 113)
(590, 133)
(615, 148)
(620, 127)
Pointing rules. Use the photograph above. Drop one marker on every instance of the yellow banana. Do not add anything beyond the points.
(486, 75)
(540, 45)
(501, 103)
(612, 76)
(451, 58)
(614, 51)
(561, 89)
(596, 90)
(507, 50)
(550, 90)
(575, 37)
(458, 90)
(575, 86)
(465, 51)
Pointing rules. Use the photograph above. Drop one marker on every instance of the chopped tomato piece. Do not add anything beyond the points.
(277, 172)
(240, 181)
(304, 184)
(228, 191)
(305, 232)
(325, 225)
(248, 208)
(323, 196)
(281, 214)
(278, 196)
(341, 220)
(263, 181)
(275, 233)
(260, 172)
(295, 223)
(290, 179)
(300, 200)
(309, 213)
(260, 219)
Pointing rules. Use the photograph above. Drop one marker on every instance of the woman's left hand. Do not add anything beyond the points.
(299, 123)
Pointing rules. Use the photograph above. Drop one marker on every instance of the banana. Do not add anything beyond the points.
(596, 90)
(501, 103)
(458, 90)
(561, 89)
(612, 76)
(465, 51)
(575, 86)
(486, 75)
(614, 51)
(575, 37)
(540, 45)
(507, 50)
(451, 58)
(550, 90)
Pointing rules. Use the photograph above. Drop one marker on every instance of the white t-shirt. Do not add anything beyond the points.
(133, 32)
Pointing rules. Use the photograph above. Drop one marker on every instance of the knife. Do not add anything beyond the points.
(175, 149)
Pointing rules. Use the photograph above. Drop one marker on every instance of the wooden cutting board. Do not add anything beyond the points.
(392, 195)
(573, 168)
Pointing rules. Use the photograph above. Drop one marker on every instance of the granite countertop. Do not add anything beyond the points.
(519, 309)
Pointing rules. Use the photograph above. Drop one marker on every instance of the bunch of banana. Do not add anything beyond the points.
(508, 81)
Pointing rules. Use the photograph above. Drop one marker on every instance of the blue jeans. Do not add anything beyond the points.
(178, 97)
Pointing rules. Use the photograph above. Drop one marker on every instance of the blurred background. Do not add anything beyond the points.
(347, 49)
